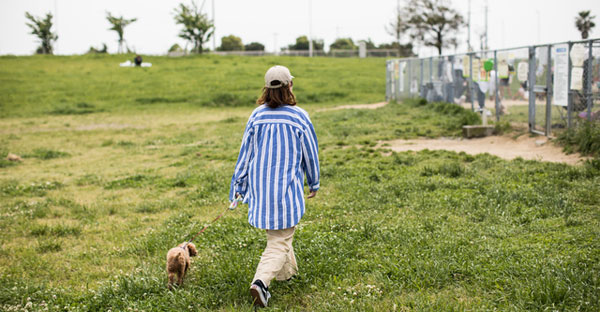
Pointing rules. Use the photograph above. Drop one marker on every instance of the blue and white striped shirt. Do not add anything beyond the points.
(279, 146)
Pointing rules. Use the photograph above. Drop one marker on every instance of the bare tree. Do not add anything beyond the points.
(398, 26)
(197, 28)
(584, 23)
(434, 23)
(42, 29)
(118, 25)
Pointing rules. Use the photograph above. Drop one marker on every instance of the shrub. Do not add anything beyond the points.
(583, 138)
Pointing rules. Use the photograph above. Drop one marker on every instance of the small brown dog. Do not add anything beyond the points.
(178, 262)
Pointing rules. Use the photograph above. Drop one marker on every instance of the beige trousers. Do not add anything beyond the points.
(278, 260)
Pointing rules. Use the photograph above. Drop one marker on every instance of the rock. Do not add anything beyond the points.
(13, 157)
(540, 142)
(477, 131)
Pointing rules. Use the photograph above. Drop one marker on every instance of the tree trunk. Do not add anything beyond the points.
(439, 43)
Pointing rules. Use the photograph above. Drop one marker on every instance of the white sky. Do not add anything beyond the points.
(82, 23)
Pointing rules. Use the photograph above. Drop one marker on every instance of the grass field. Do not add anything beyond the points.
(121, 164)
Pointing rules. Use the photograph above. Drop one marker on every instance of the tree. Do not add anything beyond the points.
(102, 50)
(197, 28)
(231, 43)
(118, 25)
(175, 48)
(405, 50)
(433, 23)
(343, 44)
(584, 23)
(302, 44)
(42, 29)
(254, 46)
(397, 26)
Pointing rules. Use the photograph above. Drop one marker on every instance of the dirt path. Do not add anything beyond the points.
(526, 147)
(535, 148)
(354, 106)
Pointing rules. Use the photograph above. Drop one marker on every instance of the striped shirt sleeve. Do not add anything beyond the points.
(310, 157)
(239, 181)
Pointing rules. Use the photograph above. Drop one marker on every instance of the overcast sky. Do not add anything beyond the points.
(276, 23)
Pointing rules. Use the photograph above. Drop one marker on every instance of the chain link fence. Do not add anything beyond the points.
(545, 87)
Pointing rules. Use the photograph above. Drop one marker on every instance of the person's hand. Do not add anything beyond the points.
(312, 194)
(236, 201)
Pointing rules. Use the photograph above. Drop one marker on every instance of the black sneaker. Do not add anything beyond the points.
(260, 292)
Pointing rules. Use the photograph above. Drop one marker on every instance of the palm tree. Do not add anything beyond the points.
(42, 29)
(118, 25)
(197, 27)
(584, 23)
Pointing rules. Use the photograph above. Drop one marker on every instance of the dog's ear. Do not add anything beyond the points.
(192, 249)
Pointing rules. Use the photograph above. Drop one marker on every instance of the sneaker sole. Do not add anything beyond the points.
(259, 299)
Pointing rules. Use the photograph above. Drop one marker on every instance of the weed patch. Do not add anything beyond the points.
(134, 181)
(155, 100)
(59, 230)
(583, 138)
(229, 100)
(13, 188)
(81, 108)
(45, 154)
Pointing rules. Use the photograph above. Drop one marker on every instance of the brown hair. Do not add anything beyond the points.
(277, 97)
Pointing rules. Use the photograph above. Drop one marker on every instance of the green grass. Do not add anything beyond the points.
(89, 84)
(427, 231)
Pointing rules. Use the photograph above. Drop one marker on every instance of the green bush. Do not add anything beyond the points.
(583, 138)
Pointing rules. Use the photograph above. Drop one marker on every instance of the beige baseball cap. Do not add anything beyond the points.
(278, 76)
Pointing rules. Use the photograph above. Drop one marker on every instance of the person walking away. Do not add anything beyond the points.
(279, 147)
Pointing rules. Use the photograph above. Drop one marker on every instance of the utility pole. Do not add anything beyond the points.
(214, 28)
(310, 41)
(486, 46)
(469, 28)
(537, 12)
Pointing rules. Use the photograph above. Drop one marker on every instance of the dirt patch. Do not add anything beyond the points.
(506, 147)
(534, 148)
(354, 106)
(506, 104)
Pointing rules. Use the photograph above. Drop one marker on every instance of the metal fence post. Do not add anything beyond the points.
(471, 82)
(549, 91)
(497, 100)
(588, 85)
(398, 80)
(421, 81)
(431, 69)
(569, 94)
(387, 81)
(409, 78)
(531, 84)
